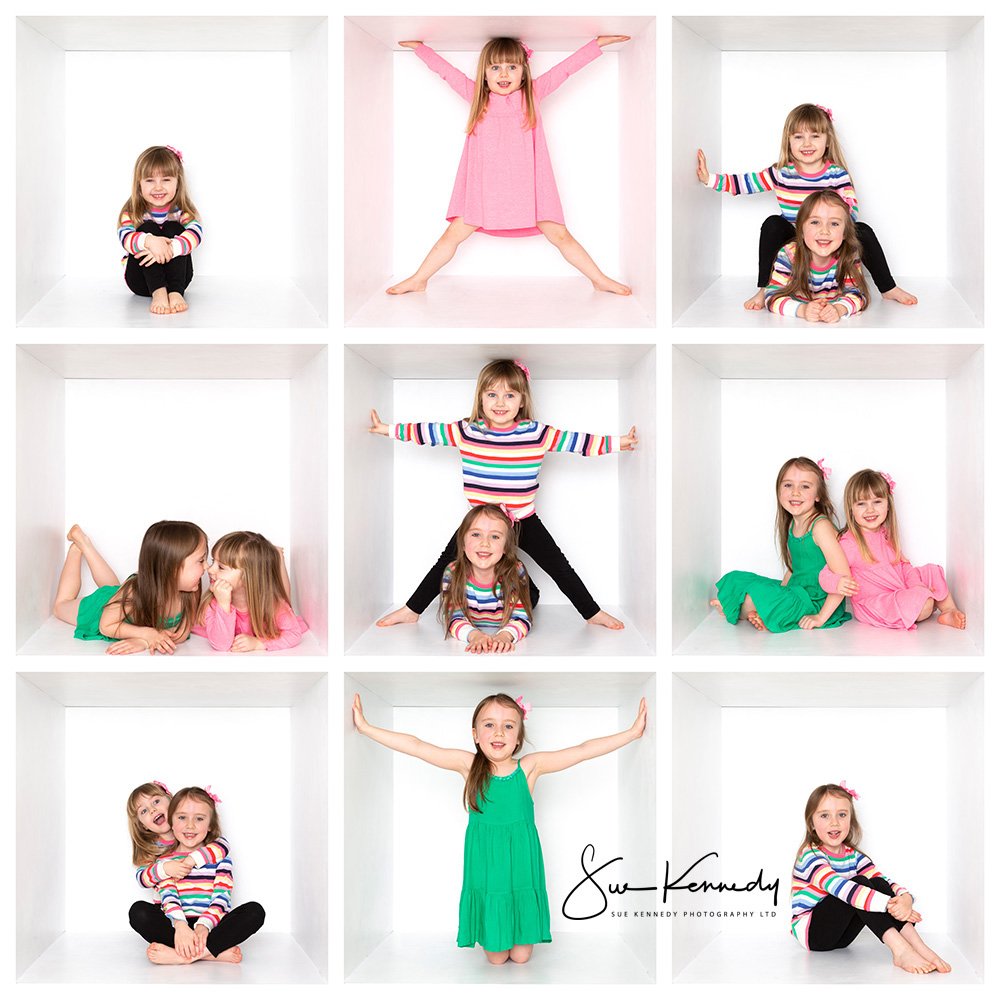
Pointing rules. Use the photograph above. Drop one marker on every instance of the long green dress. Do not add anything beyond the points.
(503, 887)
(780, 608)
(90, 609)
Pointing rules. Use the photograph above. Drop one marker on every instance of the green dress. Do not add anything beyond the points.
(503, 887)
(780, 608)
(88, 615)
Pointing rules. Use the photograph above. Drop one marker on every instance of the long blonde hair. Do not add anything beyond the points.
(503, 372)
(260, 563)
(495, 51)
(813, 118)
(145, 843)
(161, 160)
(853, 838)
(783, 520)
(481, 770)
(862, 485)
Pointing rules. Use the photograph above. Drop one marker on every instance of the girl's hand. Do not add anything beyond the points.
(201, 938)
(503, 642)
(812, 310)
(377, 426)
(409, 45)
(831, 313)
(811, 621)
(847, 586)
(185, 941)
(125, 646)
(630, 440)
(479, 642)
(360, 722)
(159, 248)
(702, 167)
(223, 592)
(603, 40)
(246, 644)
(639, 726)
(160, 641)
(178, 867)
(901, 907)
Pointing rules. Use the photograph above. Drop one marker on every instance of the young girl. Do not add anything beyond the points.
(810, 159)
(807, 536)
(247, 606)
(837, 890)
(818, 276)
(153, 609)
(159, 228)
(487, 586)
(505, 184)
(504, 906)
(195, 919)
(502, 447)
(885, 589)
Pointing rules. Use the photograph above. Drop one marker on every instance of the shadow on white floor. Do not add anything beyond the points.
(570, 958)
(557, 630)
(121, 958)
(213, 301)
(55, 638)
(939, 305)
(754, 958)
(502, 303)
(716, 637)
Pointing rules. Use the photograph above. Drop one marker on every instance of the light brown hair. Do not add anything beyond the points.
(503, 372)
(853, 838)
(482, 770)
(145, 843)
(861, 486)
(812, 118)
(783, 520)
(202, 797)
(495, 52)
(156, 160)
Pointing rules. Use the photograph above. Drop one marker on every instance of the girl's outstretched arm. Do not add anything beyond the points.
(455, 78)
(547, 762)
(450, 760)
(825, 536)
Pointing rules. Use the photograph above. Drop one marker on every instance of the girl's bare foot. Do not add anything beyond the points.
(717, 604)
(401, 616)
(954, 618)
(605, 284)
(161, 302)
(177, 303)
(900, 295)
(920, 947)
(603, 618)
(77, 537)
(757, 621)
(160, 954)
(411, 284)
(756, 301)
(233, 955)
(908, 960)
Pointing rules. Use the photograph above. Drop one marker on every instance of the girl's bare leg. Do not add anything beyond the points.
(561, 238)
(520, 953)
(67, 600)
(401, 616)
(442, 251)
(904, 955)
(911, 937)
(497, 957)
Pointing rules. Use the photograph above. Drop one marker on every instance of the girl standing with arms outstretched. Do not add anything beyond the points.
(502, 447)
(505, 184)
(837, 891)
(810, 159)
(504, 905)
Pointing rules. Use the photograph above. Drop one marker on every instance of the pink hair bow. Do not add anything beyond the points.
(889, 480)
(160, 784)
(850, 791)
(176, 153)
(520, 364)
(506, 512)
(826, 111)
(215, 798)
(528, 53)
(823, 469)
(525, 706)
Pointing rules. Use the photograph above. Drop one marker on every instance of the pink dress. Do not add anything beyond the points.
(892, 595)
(505, 182)
(221, 628)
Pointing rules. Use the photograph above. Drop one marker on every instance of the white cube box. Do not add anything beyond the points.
(117, 437)
(914, 411)
(83, 743)
(403, 502)
(903, 90)
(748, 750)
(404, 130)
(403, 842)
(247, 107)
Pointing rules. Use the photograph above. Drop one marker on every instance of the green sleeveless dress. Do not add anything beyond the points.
(780, 608)
(88, 615)
(503, 887)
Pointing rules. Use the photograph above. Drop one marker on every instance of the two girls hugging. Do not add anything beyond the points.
(246, 607)
(486, 595)
(180, 853)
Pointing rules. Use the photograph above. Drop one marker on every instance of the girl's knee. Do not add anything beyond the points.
(520, 953)
(554, 232)
(497, 957)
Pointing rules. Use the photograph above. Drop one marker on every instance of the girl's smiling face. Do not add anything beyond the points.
(832, 821)
(808, 149)
(504, 78)
(824, 229)
(191, 823)
(193, 569)
(484, 542)
(158, 189)
(501, 405)
(222, 571)
(151, 811)
(497, 731)
(871, 512)
(798, 490)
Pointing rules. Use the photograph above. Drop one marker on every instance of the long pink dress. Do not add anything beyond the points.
(892, 595)
(505, 182)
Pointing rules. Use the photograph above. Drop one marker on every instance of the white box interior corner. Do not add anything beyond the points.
(606, 802)
(790, 402)
(749, 721)
(85, 412)
(930, 70)
(395, 201)
(82, 745)
(391, 487)
(231, 78)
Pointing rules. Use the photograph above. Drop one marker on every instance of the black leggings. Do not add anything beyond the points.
(835, 924)
(776, 231)
(174, 276)
(149, 921)
(533, 538)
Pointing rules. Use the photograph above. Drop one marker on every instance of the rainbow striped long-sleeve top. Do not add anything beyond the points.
(205, 893)
(789, 186)
(486, 606)
(818, 874)
(149, 876)
(822, 285)
(133, 241)
(501, 466)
